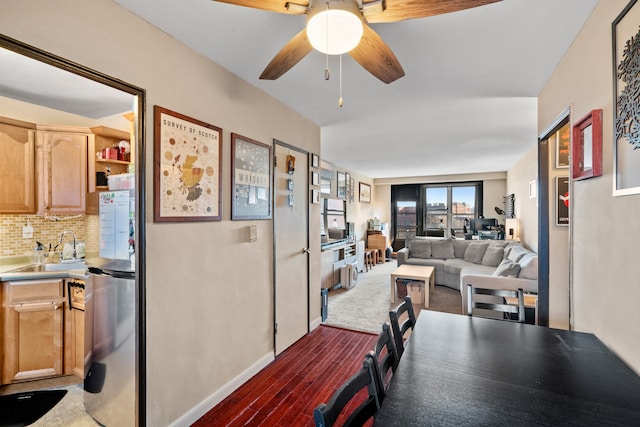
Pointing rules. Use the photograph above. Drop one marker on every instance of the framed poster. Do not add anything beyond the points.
(315, 178)
(563, 147)
(187, 165)
(342, 185)
(562, 200)
(364, 193)
(587, 146)
(626, 82)
(315, 161)
(251, 175)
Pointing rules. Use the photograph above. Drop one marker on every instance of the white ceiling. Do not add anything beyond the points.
(466, 104)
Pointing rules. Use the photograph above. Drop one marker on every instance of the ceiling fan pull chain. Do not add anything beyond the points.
(327, 74)
(340, 85)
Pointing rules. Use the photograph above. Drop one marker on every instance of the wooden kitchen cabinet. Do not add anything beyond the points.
(17, 175)
(33, 328)
(78, 328)
(61, 156)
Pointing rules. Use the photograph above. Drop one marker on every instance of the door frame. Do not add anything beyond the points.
(140, 153)
(544, 153)
(282, 144)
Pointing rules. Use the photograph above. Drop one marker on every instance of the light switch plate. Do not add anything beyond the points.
(253, 233)
(27, 232)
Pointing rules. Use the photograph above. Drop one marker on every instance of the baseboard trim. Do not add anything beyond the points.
(315, 323)
(195, 413)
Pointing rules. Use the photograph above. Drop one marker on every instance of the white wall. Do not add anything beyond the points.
(209, 292)
(603, 229)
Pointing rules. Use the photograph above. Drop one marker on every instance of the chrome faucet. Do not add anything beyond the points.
(74, 241)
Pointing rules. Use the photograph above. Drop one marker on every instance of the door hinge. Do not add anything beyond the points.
(275, 161)
(275, 329)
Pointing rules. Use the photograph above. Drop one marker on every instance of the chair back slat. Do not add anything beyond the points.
(497, 303)
(401, 327)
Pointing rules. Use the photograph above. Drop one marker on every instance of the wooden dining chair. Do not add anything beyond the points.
(326, 415)
(496, 303)
(401, 327)
(385, 360)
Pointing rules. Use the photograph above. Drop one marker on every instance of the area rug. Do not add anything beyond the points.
(365, 307)
(23, 409)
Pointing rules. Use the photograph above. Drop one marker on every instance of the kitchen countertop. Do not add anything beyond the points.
(7, 273)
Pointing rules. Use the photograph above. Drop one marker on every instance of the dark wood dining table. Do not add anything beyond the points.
(459, 370)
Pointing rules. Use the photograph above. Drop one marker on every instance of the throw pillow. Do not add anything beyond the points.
(507, 268)
(516, 253)
(529, 267)
(475, 251)
(493, 256)
(420, 248)
(442, 249)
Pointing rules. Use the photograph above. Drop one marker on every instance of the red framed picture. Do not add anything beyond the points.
(587, 146)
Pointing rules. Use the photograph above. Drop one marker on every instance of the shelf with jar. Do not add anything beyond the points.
(112, 154)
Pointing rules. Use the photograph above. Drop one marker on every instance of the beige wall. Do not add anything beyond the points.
(198, 274)
(526, 208)
(604, 229)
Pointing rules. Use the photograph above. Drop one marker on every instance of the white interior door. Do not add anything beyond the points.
(291, 237)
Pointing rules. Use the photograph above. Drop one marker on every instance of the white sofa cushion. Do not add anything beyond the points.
(493, 256)
(475, 251)
(507, 268)
(529, 266)
(442, 249)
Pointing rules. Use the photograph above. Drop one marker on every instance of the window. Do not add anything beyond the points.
(450, 207)
(406, 219)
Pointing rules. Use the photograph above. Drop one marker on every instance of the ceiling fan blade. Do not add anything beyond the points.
(292, 53)
(281, 6)
(376, 57)
(376, 11)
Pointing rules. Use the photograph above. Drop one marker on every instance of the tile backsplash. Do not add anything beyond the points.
(85, 227)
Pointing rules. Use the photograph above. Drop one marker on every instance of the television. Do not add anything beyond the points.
(479, 224)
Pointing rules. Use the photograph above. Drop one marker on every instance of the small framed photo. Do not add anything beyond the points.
(315, 196)
(342, 185)
(587, 146)
(251, 175)
(315, 161)
(364, 192)
(315, 178)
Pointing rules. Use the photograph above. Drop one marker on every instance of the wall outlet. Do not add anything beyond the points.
(27, 231)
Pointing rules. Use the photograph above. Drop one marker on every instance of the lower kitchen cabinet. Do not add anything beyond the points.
(33, 344)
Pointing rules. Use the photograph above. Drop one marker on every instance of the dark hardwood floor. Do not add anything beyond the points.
(286, 391)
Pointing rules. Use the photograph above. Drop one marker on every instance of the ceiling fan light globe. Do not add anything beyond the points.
(344, 31)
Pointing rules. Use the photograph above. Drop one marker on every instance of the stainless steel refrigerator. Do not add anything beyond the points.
(111, 316)
(110, 382)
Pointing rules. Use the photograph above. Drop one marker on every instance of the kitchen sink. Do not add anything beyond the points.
(63, 266)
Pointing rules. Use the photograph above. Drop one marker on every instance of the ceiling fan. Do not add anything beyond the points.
(327, 20)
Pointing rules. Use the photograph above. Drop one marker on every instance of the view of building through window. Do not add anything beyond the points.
(406, 219)
(450, 207)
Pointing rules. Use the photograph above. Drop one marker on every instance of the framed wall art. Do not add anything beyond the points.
(626, 81)
(587, 146)
(563, 148)
(315, 178)
(251, 176)
(342, 185)
(315, 161)
(364, 191)
(187, 165)
(562, 200)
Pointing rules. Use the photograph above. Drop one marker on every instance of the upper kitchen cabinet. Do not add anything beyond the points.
(17, 174)
(61, 153)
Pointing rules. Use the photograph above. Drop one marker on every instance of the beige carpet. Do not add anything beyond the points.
(365, 307)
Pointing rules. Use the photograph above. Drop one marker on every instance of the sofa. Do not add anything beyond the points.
(499, 264)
